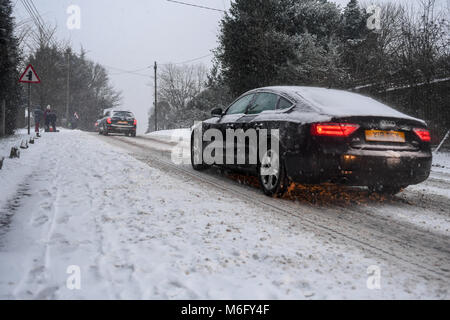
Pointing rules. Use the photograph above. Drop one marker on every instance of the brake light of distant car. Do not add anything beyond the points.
(333, 129)
(423, 134)
(135, 122)
(108, 121)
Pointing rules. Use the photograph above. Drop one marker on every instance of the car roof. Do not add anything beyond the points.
(280, 90)
(336, 103)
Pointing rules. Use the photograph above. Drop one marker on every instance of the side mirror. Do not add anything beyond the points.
(217, 112)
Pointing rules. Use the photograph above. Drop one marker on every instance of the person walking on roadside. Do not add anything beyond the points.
(50, 119)
(75, 119)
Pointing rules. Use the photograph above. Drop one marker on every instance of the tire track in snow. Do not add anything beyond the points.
(56, 188)
(104, 260)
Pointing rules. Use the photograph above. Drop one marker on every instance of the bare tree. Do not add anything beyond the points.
(179, 84)
(424, 42)
(411, 45)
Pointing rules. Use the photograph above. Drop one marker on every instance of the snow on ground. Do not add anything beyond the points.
(137, 233)
(441, 162)
(175, 135)
(439, 178)
(435, 189)
(13, 172)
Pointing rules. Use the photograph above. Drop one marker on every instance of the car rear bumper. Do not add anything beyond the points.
(361, 168)
(114, 128)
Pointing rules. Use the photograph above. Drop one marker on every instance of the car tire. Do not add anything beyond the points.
(386, 190)
(133, 134)
(196, 148)
(276, 183)
(105, 132)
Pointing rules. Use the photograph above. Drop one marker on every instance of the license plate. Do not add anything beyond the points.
(122, 122)
(385, 136)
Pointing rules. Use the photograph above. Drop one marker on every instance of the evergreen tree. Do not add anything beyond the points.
(354, 22)
(320, 18)
(277, 42)
(9, 61)
(357, 49)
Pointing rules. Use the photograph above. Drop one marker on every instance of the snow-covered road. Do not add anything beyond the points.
(141, 228)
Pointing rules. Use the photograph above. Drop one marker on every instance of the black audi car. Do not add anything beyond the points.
(325, 136)
(118, 122)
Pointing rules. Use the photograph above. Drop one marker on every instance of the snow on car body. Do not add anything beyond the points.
(328, 135)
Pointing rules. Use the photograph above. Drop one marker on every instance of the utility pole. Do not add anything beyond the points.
(156, 97)
(68, 88)
(3, 118)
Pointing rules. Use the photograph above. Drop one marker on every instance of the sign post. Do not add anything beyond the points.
(156, 96)
(29, 76)
(29, 106)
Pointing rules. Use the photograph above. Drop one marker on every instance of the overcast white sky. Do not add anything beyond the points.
(131, 35)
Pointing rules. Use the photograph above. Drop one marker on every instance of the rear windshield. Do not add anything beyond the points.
(123, 114)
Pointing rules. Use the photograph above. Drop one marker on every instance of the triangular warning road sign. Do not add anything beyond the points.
(29, 75)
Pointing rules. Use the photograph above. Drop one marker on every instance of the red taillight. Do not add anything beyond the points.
(333, 129)
(423, 134)
(135, 122)
(108, 121)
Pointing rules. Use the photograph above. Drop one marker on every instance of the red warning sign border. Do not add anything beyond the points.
(23, 74)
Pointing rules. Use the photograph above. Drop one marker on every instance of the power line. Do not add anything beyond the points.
(46, 31)
(27, 8)
(193, 60)
(195, 5)
(35, 10)
(126, 71)
(131, 73)
(41, 21)
(33, 14)
(36, 17)
(137, 71)
(123, 71)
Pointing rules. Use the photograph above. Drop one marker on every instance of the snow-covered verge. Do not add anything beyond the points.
(441, 162)
(14, 171)
(439, 180)
(176, 135)
(136, 232)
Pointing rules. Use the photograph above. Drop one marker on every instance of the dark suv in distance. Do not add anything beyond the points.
(325, 135)
(118, 122)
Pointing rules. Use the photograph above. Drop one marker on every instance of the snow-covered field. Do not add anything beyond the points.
(137, 232)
